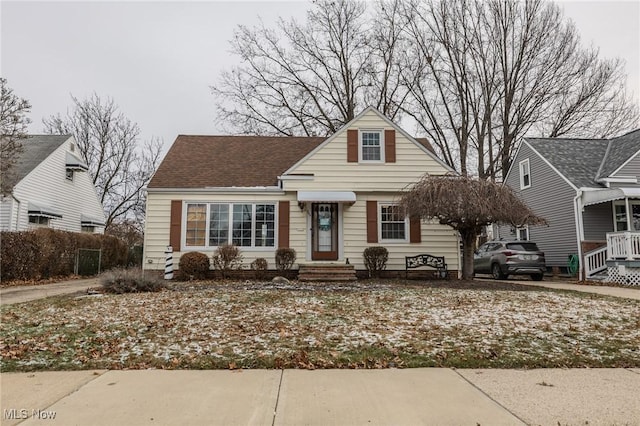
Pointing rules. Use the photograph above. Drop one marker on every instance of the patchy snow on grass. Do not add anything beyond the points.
(313, 326)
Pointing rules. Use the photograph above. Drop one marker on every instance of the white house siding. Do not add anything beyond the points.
(6, 210)
(551, 197)
(47, 185)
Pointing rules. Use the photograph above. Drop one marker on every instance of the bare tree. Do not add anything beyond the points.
(475, 76)
(453, 90)
(593, 102)
(467, 205)
(13, 128)
(493, 71)
(109, 143)
(311, 78)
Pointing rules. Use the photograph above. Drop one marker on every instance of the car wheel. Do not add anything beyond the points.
(537, 277)
(497, 272)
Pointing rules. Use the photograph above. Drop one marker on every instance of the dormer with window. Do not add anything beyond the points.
(74, 164)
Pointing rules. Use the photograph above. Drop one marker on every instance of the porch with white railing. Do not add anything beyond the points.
(595, 261)
(623, 245)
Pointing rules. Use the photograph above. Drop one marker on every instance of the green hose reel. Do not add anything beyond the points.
(573, 264)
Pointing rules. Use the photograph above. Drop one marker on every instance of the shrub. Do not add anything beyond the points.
(20, 256)
(115, 252)
(260, 267)
(375, 260)
(194, 265)
(226, 258)
(120, 281)
(285, 258)
(44, 253)
(55, 259)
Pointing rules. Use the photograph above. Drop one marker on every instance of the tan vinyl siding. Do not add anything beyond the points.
(332, 171)
(436, 239)
(158, 225)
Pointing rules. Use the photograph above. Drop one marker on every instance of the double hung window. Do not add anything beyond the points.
(393, 226)
(371, 145)
(525, 174)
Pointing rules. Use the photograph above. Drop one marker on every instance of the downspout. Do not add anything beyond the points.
(577, 208)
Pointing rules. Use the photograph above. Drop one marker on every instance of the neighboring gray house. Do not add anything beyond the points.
(53, 189)
(589, 192)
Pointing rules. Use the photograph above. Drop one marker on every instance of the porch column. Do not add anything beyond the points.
(627, 208)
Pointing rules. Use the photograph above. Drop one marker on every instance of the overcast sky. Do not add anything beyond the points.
(158, 59)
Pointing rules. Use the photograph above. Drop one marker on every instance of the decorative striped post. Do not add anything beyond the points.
(168, 263)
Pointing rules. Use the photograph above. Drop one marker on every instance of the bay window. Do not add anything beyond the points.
(240, 224)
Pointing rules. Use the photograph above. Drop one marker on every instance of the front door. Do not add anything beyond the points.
(324, 231)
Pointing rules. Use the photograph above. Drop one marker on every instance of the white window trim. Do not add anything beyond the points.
(520, 164)
(207, 247)
(521, 228)
(613, 212)
(382, 204)
(381, 132)
(627, 212)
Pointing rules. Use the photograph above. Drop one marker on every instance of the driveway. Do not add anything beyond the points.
(11, 295)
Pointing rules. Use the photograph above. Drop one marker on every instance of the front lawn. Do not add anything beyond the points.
(361, 325)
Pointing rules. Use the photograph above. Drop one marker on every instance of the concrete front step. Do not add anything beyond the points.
(327, 272)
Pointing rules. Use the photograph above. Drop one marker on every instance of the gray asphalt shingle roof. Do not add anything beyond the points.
(577, 159)
(584, 161)
(622, 148)
(36, 149)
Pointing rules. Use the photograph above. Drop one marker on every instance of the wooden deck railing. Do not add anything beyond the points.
(623, 245)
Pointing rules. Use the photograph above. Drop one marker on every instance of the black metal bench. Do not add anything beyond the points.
(436, 262)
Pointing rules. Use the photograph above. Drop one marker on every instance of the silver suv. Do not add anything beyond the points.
(504, 258)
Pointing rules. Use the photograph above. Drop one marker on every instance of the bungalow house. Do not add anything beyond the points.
(589, 191)
(52, 189)
(327, 198)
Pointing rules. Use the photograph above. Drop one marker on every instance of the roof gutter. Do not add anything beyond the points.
(232, 189)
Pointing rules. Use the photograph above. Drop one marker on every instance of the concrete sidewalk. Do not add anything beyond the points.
(424, 396)
(10, 295)
(624, 292)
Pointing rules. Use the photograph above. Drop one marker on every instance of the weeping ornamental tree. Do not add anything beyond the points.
(467, 205)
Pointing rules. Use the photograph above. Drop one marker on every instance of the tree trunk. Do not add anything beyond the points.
(468, 246)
